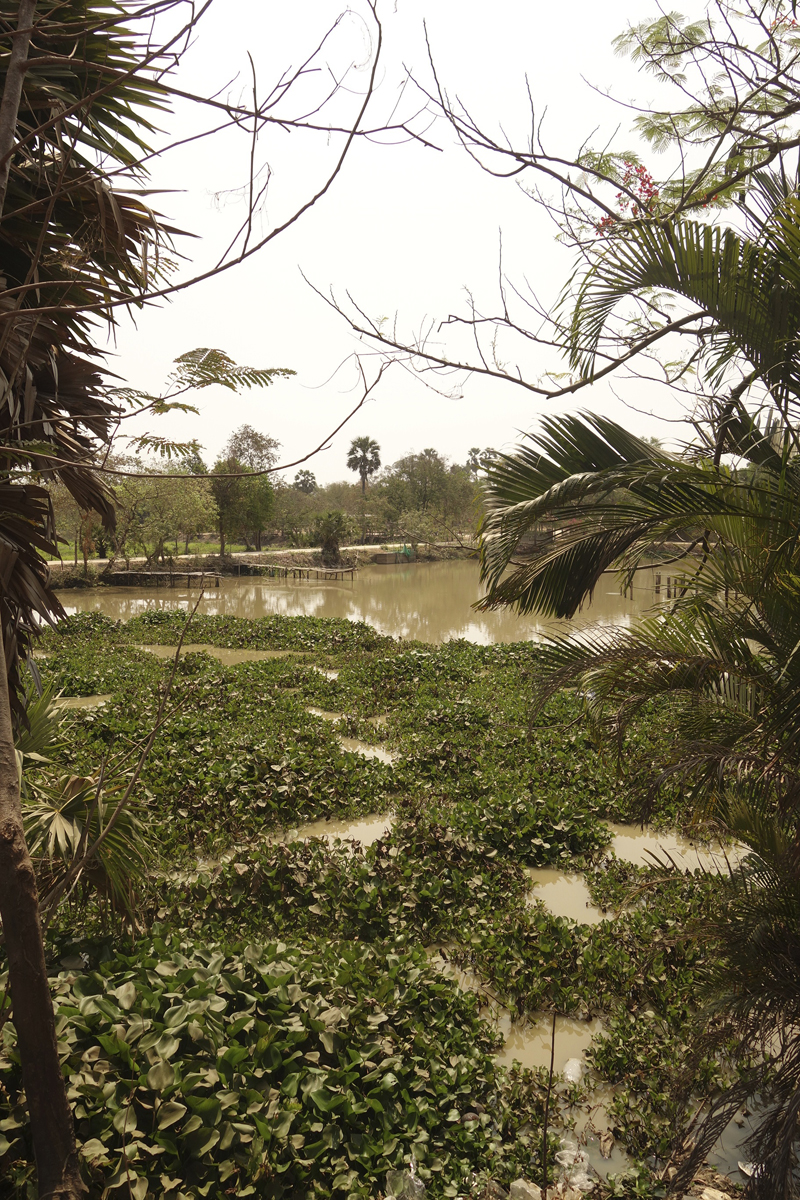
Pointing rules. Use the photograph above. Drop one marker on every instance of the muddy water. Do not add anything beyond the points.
(427, 601)
(366, 831)
(530, 1043)
(527, 1042)
(432, 602)
(323, 712)
(82, 701)
(368, 751)
(567, 895)
(563, 895)
(354, 744)
(646, 849)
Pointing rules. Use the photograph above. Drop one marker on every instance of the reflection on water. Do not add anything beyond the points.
(426, 601)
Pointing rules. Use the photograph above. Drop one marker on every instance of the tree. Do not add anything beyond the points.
(364, 457)
(723, 658)
(257, 452)
(244, 496)
(161, 508)
(724, 654)
(78, 88)
(735, 72)
(67, 519)
(292, 512)
(258, 508)
(417, 481)
(305, 481)
(330, 531)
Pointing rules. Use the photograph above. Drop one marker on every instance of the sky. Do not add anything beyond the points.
(408, 231)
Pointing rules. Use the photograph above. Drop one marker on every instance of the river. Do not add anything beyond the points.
(429, 602)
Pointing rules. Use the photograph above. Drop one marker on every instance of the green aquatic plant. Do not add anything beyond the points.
(259, 1069)
(477, 789)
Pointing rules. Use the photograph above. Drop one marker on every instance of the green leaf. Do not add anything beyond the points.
(199, 1141)
(160, 1076)
(169, 1113)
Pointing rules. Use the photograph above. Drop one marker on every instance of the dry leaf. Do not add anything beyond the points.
(606, 1143)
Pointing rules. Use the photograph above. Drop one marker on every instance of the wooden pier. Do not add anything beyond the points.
(321, 572)
(278, 572)
(171, 578)
(174, 577)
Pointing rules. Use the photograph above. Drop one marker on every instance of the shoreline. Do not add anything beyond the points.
(67, 576)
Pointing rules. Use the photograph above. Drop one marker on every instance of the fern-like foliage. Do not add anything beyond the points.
(202, 367)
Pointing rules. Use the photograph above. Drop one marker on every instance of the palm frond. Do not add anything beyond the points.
(62, 817)
(749, 289)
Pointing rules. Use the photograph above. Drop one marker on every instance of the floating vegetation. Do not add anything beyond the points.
(206, 1052)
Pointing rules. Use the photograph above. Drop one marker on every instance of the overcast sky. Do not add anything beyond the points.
(405, 230)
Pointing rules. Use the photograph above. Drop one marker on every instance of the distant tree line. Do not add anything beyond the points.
(423, 497)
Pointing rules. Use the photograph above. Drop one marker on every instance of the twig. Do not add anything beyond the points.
(547, 1106)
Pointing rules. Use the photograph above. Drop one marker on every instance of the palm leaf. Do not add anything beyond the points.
(749, 289)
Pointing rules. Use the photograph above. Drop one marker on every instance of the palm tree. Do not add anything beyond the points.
(725, 653)
(330, 530)
(364, 457)
(71, 244)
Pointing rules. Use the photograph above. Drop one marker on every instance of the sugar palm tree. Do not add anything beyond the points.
(364, 457)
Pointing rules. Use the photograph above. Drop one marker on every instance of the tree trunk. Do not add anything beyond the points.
(51, 1117)
(221, 540)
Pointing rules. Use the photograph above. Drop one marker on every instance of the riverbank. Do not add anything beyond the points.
(99, 572)
(361, 994)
